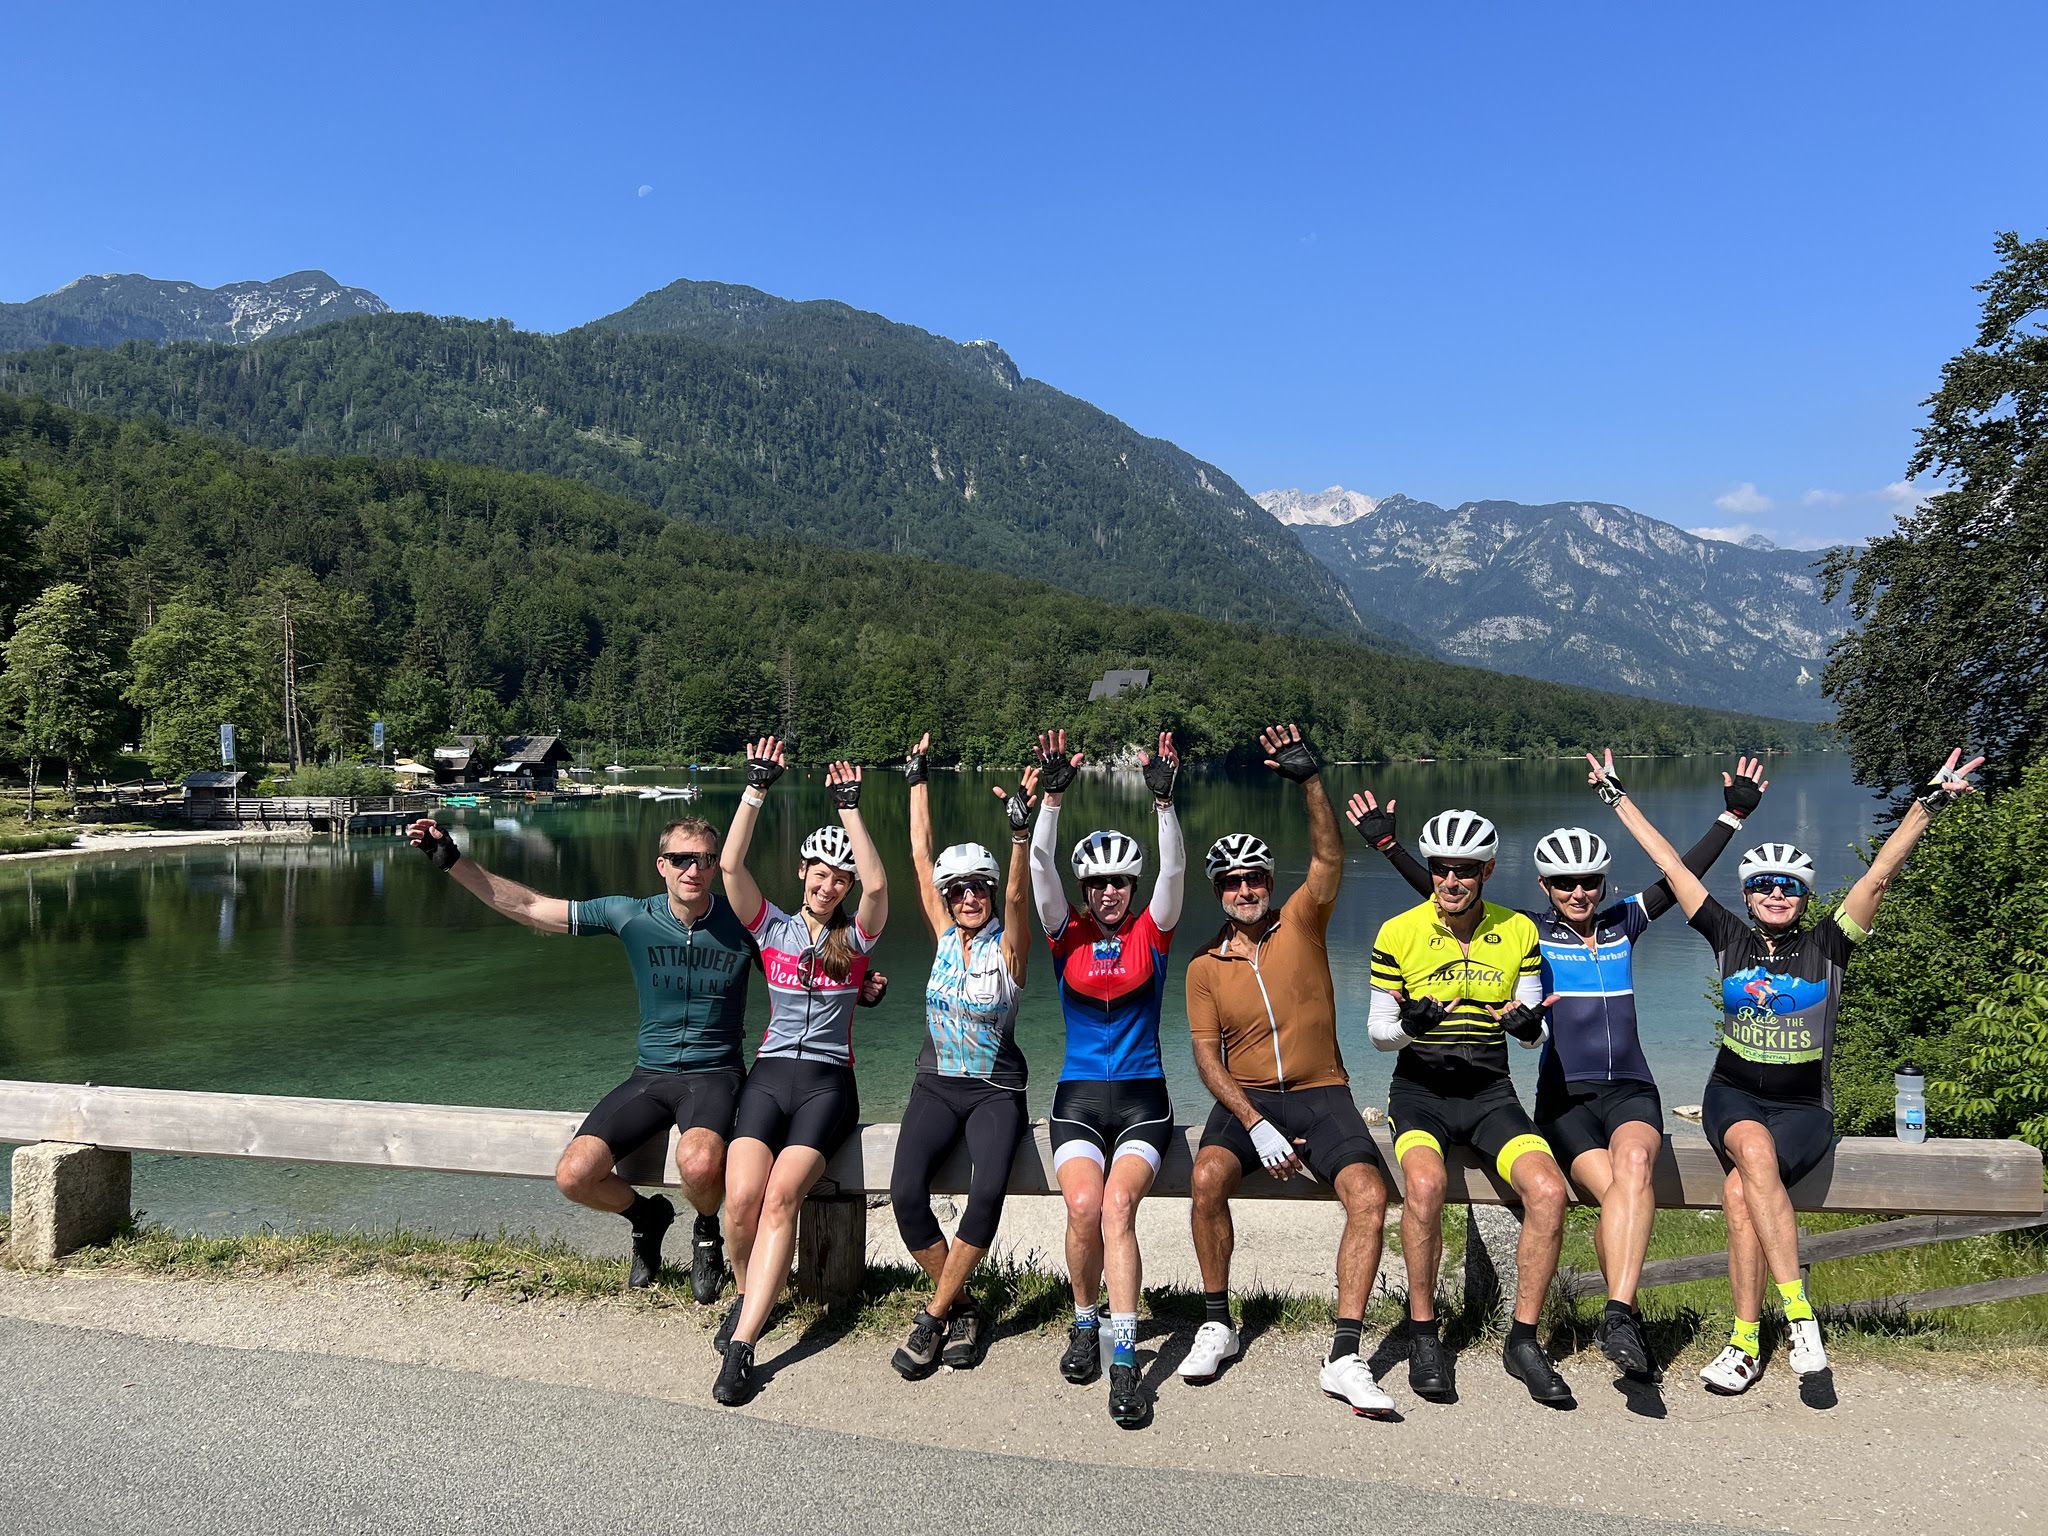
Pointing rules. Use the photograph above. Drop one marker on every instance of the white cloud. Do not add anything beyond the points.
(1737, 533)
(1823, 499)
(645, 190)
(1744, 500)
(1904, 496)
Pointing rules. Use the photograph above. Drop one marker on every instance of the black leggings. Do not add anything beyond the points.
(941, 1110)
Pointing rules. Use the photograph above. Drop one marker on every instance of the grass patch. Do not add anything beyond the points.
(13, 839)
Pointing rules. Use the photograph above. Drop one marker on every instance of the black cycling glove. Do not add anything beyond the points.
(1376, 826)
(1159, 776)
(1296, 760)
(1741, 796)
(440, 849)
(846, 794)
(1419, 1015)
(1609, 788)
(762, 771)
(1055, 772)
(1523, 1022)
(1934, 799)
(1018, 810)
(916, 769)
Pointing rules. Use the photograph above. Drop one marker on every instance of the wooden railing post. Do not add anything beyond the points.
(831, 1247)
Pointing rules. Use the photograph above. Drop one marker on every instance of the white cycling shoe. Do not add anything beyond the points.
(1349, 1379)
(1731, 1372)
(1809, 1355)
(1215, 1344)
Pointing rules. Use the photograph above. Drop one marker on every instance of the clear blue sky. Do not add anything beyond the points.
(1703, 260)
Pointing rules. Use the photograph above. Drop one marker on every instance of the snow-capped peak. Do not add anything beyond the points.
(1333, 508)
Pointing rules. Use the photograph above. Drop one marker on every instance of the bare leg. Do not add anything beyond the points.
(1081, 1183)
(951, 1280)
(700, 1164)
(794, 1171)
(1628, 1208)
(585, 1175)
(932, 1261)
(1129, 1177)
(1593, 1173)
(1422, 1229)
(1771, 1216)
(1540, 1182)
(1364, 1194)
(747, 1166)
(1217, 1175)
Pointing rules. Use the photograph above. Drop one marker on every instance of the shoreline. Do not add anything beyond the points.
(90, 843)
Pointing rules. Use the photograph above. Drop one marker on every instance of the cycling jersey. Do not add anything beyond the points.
(1111, 990)
(1269, 1005)
(1778, 1010)
(692, 978)
(809, 1014)
(1593, 1034)
(1415, 954)
(971, 1006)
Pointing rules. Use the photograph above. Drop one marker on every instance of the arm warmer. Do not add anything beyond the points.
(1383, 1022)
(1168, 889)
(1047, 893)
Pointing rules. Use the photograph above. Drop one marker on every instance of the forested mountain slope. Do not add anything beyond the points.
(112, 308)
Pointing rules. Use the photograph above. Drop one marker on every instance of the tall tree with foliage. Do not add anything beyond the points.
(1953, 604)
(58, 691)
(194, 670)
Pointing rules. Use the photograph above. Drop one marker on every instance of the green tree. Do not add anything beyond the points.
(194, 669)
(59, 689)
(1954, 602)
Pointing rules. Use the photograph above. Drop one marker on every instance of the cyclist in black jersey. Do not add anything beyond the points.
(1768, 1109)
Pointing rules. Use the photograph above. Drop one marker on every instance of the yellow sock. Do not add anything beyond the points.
(1797, 1308)
(1747, 1337)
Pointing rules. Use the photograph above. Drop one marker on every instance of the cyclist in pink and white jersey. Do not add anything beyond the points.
(799, 1102)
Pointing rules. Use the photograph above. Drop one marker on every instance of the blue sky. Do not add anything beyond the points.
(1704, 261)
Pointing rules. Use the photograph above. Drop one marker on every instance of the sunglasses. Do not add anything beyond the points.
(1249, 879)
(689, 861)
(960, 888)
(1459, 871)
(1107, 883)
(1791, 885)
(1575, 882)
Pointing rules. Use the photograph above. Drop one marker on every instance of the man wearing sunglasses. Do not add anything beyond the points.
(1596, 1102)
(1263, 1017)
(1769, 1106)
(1452, 979)
(691, 957)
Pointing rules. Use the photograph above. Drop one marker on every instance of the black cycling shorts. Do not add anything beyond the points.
(1104, 1121)
(1803, 1132)
(649, 1102)
(1327, 1119)
(795, 1103)
(1490, 1120)
(1577, 1118)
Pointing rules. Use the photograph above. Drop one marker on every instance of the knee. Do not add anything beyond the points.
(1544, 1197)
(1209, 1189)
(576, 1173)
(700, 1166)
(1426, 1187)
(1084, 1208)
(780, 1204)
(1363, 1198)
(1632, 1166)
(1119, 1211)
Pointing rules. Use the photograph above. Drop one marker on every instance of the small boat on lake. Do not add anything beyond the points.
(669, 792)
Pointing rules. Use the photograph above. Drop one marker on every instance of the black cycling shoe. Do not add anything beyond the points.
(919, 1354)
(732, 1320)
(1429, 1372)
(1527, 1363)
(1621, 1341)
(963, 1336)
(647, 1244)
(1082, 1362)
(735, 1384)
(707, 1260)
(1127, 1403)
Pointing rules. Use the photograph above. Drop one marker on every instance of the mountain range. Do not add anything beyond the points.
(106, 310)
(1582, 592)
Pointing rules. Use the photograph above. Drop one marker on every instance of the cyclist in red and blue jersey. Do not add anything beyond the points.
(1596, 1102)
(799, 1102)
(1111, 1117)
(1768, 1110)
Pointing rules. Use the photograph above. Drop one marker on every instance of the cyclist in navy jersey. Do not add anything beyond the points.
(970, 1074)
(1596, 1102)
(1110, 1114)
(1769, 1107)
(799, 1102)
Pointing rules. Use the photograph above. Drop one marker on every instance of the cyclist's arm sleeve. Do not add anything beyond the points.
(1383, 1021)
(1409, 868)
(607, 914)
(1699, 858)
(1047, 893)
(1169, 888)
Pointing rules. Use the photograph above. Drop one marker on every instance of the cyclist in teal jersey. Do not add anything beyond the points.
(691, 957)
(970, 1074)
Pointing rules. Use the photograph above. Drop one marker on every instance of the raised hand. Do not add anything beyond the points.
(1375, 822)
(1288, 753)
(1605, 781)
(1161, 771)
(1743, 791)
(1017, 807)
(842, 779)
(917, 762)
(432, 839)
(1950, 783)
(1056, 768)
(764, 762)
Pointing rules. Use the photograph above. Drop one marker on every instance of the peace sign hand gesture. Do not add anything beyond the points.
(1950, 783)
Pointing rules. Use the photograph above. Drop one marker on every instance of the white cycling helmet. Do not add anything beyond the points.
(1108, 853)
(829, 845)
(1572, 851)
(1777, 859)
(965, 861)
(1459, 835)
(1240, 850)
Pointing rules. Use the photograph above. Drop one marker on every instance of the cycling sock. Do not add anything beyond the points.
(1349, 1331)
(1747, 1337)
(1520, 1332)
(1216, 1304)
(1084, 1317)
(643, 1213)
(706, 1226)
(1123, 1326)
(1620, 1312)
(1427, 1327)
(1797, 1308)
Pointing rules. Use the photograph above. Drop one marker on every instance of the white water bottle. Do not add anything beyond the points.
(1909, 1107)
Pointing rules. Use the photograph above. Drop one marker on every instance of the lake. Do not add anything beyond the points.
(354, 970)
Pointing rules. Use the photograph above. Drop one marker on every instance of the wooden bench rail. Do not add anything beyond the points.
(1863, 1174)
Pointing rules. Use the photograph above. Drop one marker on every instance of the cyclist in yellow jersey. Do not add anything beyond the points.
(1451, 980)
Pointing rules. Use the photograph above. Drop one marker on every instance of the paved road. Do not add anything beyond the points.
(103, 1432)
